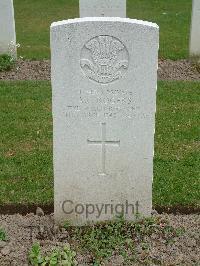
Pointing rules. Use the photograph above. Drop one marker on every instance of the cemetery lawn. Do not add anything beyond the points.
(33, 19)
(26, 171)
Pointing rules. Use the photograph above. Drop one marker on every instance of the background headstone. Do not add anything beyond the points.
(195, 29)
(104, 77)
(7, 28)
(102, 8)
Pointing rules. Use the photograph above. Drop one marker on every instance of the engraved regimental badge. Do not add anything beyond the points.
(104, 59)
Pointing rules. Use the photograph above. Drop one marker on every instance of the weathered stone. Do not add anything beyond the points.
(7, 28)
(39, 212)
(104, 76)
(195, 29)
(102, 8)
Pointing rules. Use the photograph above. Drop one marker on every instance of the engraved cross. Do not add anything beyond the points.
(103, 144)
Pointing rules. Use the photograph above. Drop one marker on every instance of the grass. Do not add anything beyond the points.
(33, 19)
(177, 144)
(3, 236)
(26, 174)
(26, 150)
(6, 62)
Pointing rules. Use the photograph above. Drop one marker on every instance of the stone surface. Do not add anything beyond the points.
(102, 8)
(7, 28)
(39, 212)
(195, 29)
(104, 98)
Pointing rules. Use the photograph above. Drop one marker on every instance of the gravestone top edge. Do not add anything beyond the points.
(104, 19)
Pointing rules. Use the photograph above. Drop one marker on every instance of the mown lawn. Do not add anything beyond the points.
(33, 19)
(26, 174)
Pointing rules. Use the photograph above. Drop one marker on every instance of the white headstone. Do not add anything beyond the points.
(104, 77)
(102, 8)
(7, 28)
(195, 29)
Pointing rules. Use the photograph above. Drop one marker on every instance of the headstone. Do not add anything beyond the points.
(102, 8)
(7, 28)
(104, 77)
(195, 29)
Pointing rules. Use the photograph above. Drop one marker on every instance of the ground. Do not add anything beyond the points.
(162, 240)
(26, 171)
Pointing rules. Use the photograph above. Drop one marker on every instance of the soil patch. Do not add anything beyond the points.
(28, 70)
(178, 70)
(40, 70)
(23, 231)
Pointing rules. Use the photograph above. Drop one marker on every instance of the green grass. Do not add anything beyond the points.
(177, 144)
(3, 236)
(33, 19)
(26, 174)
(26, 150)
(6, 62)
